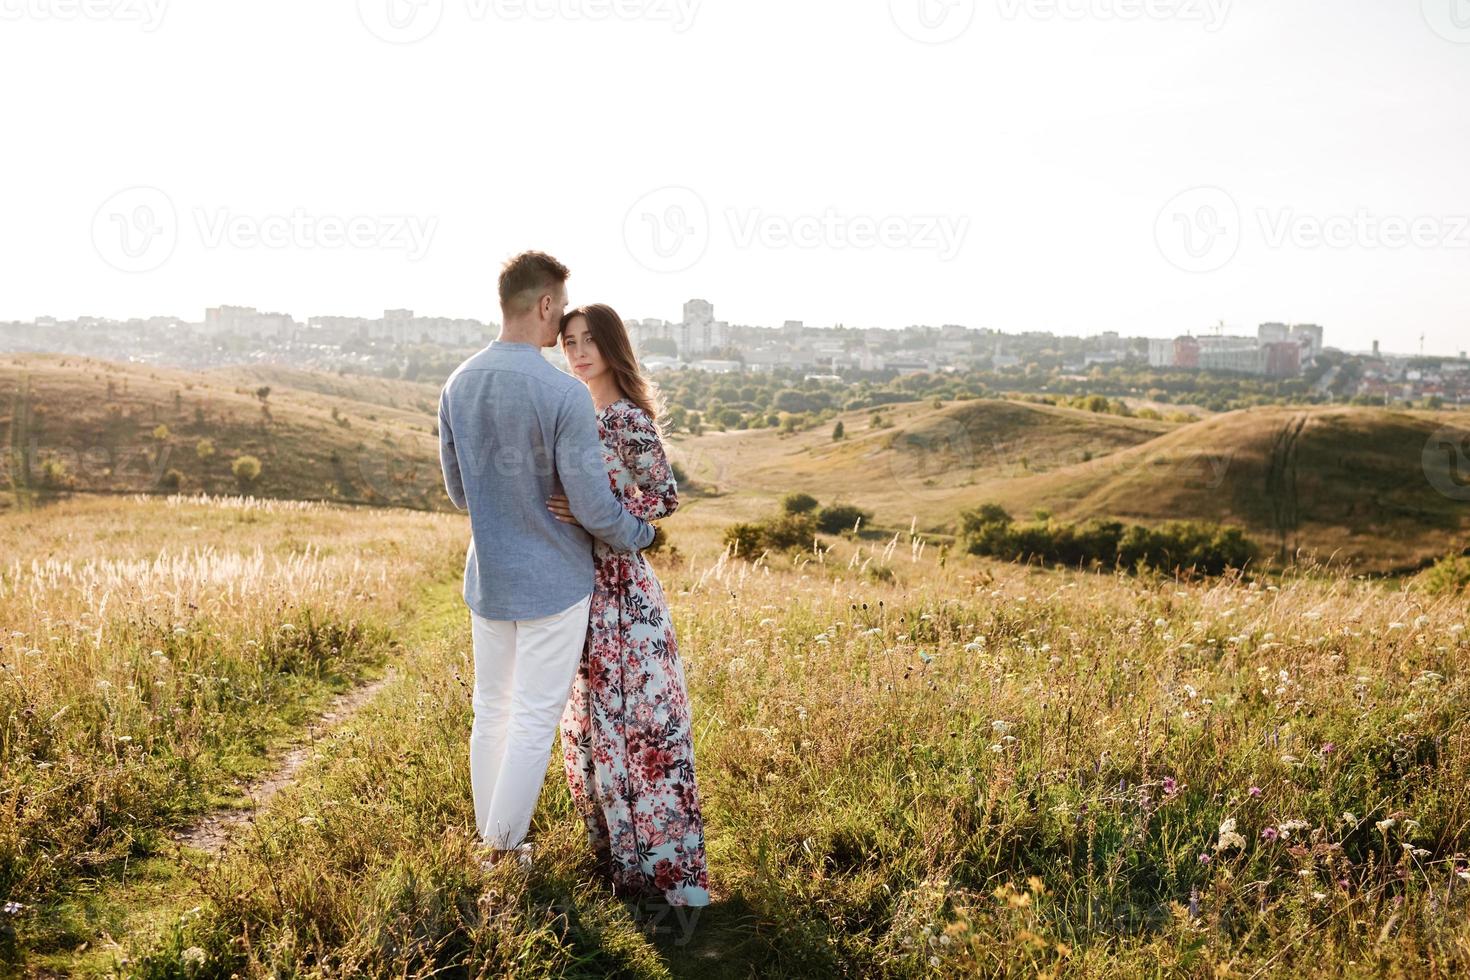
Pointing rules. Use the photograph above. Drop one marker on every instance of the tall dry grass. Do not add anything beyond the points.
(151, 650)
(948, 768)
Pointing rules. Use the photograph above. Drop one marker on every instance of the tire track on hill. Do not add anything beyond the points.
(1281, 482)
(213, 831)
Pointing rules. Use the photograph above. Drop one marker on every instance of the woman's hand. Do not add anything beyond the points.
(561, 510)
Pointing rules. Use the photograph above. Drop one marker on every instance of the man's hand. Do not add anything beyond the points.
(561, 510)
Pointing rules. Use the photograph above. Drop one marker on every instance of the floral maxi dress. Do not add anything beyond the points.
(625, 734)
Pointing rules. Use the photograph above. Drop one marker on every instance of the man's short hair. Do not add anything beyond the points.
(528, 277)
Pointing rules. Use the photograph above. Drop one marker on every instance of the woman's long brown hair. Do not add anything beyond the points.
(611, 338)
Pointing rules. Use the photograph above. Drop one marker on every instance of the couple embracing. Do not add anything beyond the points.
(562, 476)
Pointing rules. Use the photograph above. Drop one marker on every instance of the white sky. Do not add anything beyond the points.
(1052, 133)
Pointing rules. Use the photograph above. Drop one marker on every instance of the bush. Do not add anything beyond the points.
(841, 517)
(204, 449)
(1190, 546)
(56, 476)
(789, 531)
(246, 470)
(1448, 576)
(746, 539)
(172, 481)
(798, 503)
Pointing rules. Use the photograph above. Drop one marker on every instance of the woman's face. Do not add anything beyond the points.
(581, 350)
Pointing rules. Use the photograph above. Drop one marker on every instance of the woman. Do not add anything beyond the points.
(625, 734)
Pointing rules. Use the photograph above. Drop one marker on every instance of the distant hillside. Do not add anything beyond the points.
(921, 461)
(1367, 483)
(91, 425)
(408, 395)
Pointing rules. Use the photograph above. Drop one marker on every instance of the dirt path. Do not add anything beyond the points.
(211, 832)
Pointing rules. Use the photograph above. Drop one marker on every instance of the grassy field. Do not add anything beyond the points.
(153, 651)
(913, 762)
(909, 768)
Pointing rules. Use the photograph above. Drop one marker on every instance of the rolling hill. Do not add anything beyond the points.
(99, 426)
(921, 462)
(1387, 489)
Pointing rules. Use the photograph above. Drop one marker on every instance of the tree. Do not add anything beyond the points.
(799, 503)
(838, 432)
(246, 470)
(841, 517)
(204, 450)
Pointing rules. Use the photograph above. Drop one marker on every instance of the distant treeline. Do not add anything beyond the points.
(1207, 549)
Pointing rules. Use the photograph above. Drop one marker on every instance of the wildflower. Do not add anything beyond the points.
(1384, 826)
(13, 908)
(1319, 895)
(194, 957)
(997, 749)
(1269, 833)
(1000, 727)
(1328, 748)
(1204, 859)
(767, 622)
(1254, 792)
(1170, 786)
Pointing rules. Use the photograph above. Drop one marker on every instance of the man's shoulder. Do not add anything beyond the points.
(536, 367)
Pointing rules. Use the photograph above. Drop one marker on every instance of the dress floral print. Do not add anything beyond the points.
(626, 739)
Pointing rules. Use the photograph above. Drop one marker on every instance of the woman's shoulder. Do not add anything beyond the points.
(628, 414)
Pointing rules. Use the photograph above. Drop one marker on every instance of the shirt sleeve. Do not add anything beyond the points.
(643, 453)
(448, 458)
(584, 477)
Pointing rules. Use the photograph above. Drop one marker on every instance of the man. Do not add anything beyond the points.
(513, 432)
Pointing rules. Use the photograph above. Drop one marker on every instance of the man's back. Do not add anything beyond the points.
(514, 431)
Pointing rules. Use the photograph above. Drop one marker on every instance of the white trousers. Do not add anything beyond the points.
(523, 677)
